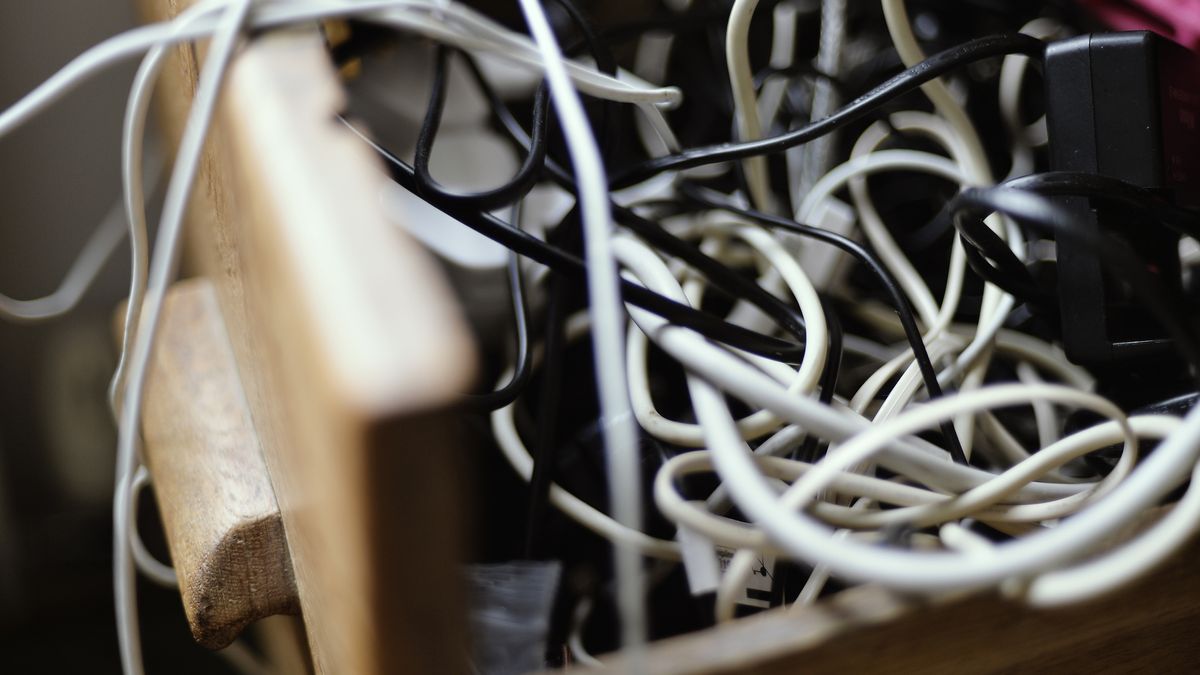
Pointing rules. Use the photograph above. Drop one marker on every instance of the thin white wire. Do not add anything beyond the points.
(158, 572)
(1024, 137)
(901, 31)
(133, 137)
(504, 429)
(932, 572)
(911, 457)
(1147, 550)
(800, 382)
(79, 278)
(620, 430)
(783, 48)
(464, 28)
(925, 571)
(162, 270)
(745, 104)
(825, 99)
(976, 167)
(579, 617)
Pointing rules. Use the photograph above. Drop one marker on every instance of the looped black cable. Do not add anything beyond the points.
(904, 310)
(573, 268)
(994, 262)
(1037, 211)
(1113, 190)
(523, 361)
(720, 275)
(509, 193)
(909, 80)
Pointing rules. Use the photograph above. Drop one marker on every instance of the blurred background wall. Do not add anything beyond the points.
(59, 175)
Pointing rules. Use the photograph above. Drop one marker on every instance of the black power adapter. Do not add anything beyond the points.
(1127, 106)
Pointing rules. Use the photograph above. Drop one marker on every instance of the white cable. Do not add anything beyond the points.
(162, 270)
(1012, 76)
(801, 382)
(504, 429)
(79, 277)
(925, 571)
(1107, 573)
(468, 30)
(783, 49)
(158, 572)
(620, 431)
(825, 99)
(910, 53)
(579, 617)
(745, 104)
(133, 137)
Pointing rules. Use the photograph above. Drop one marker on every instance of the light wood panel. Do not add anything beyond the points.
(218, 508)
(349, 346)
(349, 351)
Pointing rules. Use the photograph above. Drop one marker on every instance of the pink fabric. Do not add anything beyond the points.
(1176, 19)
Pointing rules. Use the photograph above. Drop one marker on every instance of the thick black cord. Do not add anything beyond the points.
(1040, 212)
(549, 401)
(909, 80)
(720, 275)
(611, 125)
(1113, 190)
(573, 268)
(523, 360)
(995, 262)
(903, 309)
(509, 193)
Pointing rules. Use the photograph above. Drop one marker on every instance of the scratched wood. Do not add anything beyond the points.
(218, 508)
(1148, 627)
(349, 347)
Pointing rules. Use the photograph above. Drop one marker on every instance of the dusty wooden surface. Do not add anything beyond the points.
(349, 347)
(1148, 627)
(218, 509)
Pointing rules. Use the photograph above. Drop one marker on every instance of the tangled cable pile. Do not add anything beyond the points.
(872, 416)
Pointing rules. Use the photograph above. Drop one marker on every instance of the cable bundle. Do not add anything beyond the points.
(895, 419)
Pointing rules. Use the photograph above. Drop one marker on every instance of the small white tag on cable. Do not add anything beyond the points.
(700, 560)
(826, 265)
(705, 563)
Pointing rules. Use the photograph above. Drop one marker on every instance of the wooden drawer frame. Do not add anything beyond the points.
(349, 350)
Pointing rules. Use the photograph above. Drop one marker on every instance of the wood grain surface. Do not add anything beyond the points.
(215, 497)
(350, 348)
(1148, 627)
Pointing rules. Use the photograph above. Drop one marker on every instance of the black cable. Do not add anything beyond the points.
(720, 275)
(909, 80)
(523, 360)
(1022, 287)
(611, 125)
(809, 450)
(512, 191)
(991, 258)
(573, 268)
(1114, 190)
(549, 402)
(1040, 212)
(902, 307)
